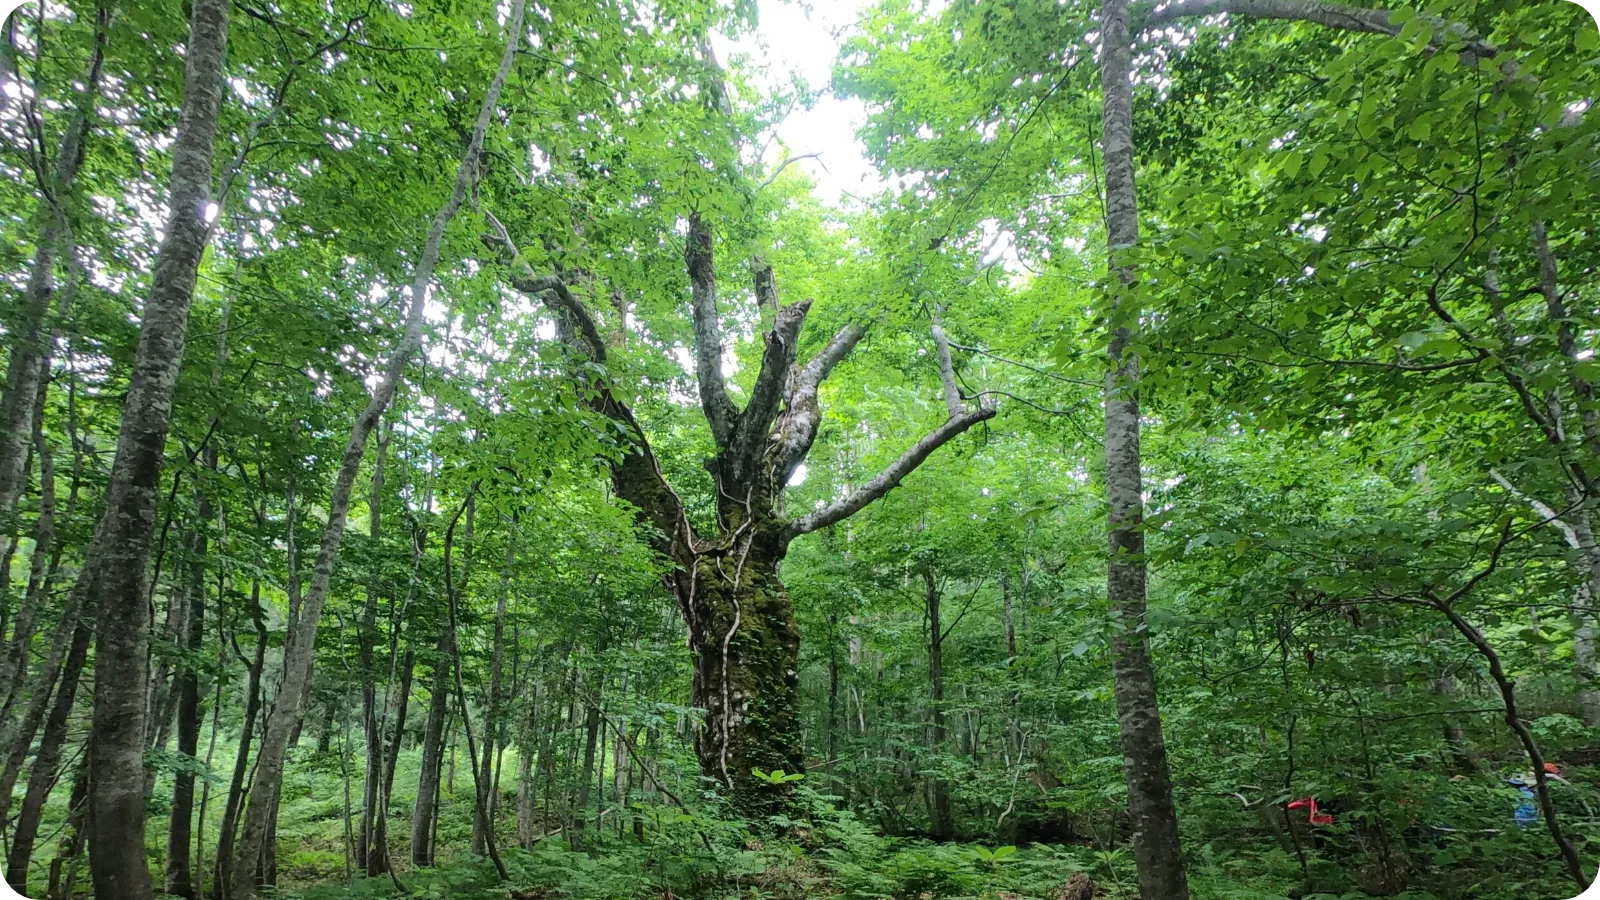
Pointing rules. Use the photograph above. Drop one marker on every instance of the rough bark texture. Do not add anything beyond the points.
(300, 654)
(122, 552)
(742, 630)
(1156, 846)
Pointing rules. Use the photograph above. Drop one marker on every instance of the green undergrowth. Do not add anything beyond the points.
(823, 852)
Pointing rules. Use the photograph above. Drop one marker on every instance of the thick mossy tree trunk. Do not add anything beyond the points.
(746, 647)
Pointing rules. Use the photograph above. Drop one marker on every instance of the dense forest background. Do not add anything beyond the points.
(450, 450)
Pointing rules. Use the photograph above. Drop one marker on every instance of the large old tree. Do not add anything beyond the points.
(742, 630)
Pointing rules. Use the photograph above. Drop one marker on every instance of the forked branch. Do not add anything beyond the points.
(798, 429)
(754, 424)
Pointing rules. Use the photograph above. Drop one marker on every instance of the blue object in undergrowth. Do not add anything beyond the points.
(1527, 813)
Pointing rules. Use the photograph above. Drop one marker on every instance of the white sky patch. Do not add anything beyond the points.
(792, 38)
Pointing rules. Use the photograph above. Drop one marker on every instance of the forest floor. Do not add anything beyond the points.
(666, 852)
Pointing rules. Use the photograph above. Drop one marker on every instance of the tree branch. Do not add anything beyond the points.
(947, 371)
(755, 423)
(719, 410)
(635, 475)
(798, 429)
(1550, 515)
(784, 165)
(886, 480)
(1331, 15)
(552, 288)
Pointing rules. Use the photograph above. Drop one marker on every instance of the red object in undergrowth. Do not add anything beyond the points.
(1552, 769)
(1316, 817)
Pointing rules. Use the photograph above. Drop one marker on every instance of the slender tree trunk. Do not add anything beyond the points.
(241, 763)
(211, 744)
(330, 711)
(491, 720)
(378, 860)
(591, 735)
(942, 824)
(408, 669)
(1583, 652)
(162, 702)
(1014, 714)
(179, 879)
(528, 751)
(833, 701)
(619, 756)
(19, 739)
(27, 364)
(525, 789)
(14, 668)
(72, 838)
(1455, 739)
(47, 763)
(1156, 845)
(118, 557)
(368, 858)
(301, 654)
(479, 787)
(428, 775)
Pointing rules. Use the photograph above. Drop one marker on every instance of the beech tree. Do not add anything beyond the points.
(114, 575)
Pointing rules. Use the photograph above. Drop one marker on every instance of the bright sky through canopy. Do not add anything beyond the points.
(804, 39)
